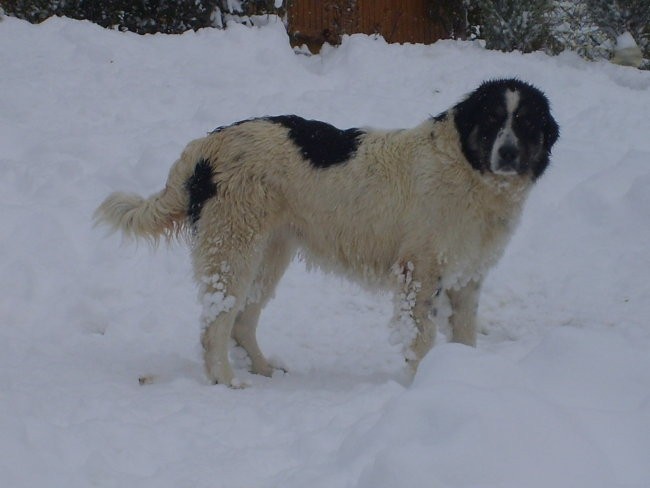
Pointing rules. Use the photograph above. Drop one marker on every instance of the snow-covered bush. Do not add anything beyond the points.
(508, 25)
(615, 18)
(144, 16)
(34, 11)
(573, 29)
(595, 29)
(603, 29)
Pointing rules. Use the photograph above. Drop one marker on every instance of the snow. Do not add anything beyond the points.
(625, 40)
(215, 302)
(626, 51)
(557, 393)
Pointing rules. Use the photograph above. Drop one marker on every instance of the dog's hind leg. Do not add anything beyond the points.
(243, 333)
(225, 272)
(220, 303)
(276, 257)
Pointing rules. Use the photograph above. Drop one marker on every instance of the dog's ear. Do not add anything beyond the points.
(551, 133)
(466, 118)
(468, 111)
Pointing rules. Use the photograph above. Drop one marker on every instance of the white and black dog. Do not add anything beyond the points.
(424, 211)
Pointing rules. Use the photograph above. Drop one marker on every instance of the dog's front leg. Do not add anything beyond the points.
(414, 304)
(244, 335)
(426, 327)
(464, 304)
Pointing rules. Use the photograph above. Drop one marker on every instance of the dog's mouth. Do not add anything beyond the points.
(506, 168)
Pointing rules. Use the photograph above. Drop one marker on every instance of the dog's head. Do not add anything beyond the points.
(506, 128)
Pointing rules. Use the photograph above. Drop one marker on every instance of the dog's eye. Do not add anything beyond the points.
(525, 122)
(529, 124)
(493, 119)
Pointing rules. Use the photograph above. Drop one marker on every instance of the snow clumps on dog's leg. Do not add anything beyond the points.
(403, 324)
(413, 324)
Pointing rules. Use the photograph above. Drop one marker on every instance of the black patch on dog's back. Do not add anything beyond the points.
(322, 144)
(200, 188)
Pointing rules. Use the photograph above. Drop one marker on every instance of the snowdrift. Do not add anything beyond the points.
(556, 394)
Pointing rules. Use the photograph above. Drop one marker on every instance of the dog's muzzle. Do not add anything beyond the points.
(507, 160)
(508, 157)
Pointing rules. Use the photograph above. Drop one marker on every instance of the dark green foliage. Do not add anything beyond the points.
(573, 29)
(32, 10)
(509, 25)
(141, 16)
(614, 17)
(253, 7)
(588, 27)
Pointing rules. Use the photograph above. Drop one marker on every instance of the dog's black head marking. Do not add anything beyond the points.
(322, 144)
(506, 127)
(200, 187)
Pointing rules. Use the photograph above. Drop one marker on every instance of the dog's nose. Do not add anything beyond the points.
(508, 153)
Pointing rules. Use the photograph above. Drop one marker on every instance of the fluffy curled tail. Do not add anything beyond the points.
(161, 215)
(170, 212)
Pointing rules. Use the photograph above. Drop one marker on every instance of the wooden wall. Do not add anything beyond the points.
(313, 22)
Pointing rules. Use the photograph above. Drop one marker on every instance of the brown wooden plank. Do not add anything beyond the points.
(316, 21)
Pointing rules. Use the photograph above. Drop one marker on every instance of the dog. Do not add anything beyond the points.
(425, 212)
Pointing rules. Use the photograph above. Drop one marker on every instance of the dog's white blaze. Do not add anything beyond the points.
(512, 101)
(506, 135)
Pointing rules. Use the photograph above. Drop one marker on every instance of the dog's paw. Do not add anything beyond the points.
(278, 365)
(234, 384)
(268, 368)
(237, 384)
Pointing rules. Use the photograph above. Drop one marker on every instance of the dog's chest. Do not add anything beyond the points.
(469, 243)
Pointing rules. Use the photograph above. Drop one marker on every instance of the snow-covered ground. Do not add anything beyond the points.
(557, 394)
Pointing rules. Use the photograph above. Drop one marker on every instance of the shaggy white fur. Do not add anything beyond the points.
(405, 212)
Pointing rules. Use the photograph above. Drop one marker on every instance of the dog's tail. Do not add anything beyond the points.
(163, 214)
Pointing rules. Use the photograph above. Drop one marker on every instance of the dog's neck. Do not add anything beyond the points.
(447, 145)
